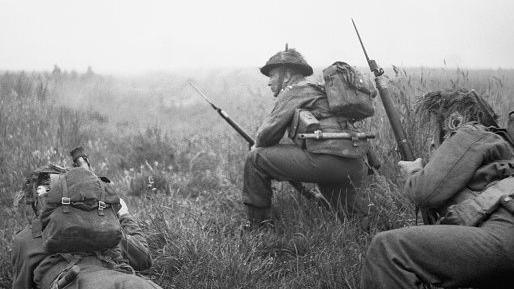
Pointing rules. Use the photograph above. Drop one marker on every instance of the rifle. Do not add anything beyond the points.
(309, 194)
(394, 119)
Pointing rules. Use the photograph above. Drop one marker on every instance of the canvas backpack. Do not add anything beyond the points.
(80, 214)
(349, 94)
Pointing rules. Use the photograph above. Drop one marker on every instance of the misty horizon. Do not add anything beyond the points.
(131, 37)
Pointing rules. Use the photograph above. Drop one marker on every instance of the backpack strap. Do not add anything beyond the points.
(68, 273)
(65, 199)
(101, 203)
(504, 133)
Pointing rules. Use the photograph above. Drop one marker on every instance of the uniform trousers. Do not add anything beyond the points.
(286, 162)
(448, 256)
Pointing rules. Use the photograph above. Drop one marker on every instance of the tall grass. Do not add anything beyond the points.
(179, 167)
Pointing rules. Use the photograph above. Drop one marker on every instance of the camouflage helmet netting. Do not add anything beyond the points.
(468, 103)
(289, 58)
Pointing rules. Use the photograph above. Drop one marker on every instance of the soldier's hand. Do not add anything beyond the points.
(124, 209)
(407, 168)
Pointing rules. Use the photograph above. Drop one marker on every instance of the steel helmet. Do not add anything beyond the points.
(288, 58)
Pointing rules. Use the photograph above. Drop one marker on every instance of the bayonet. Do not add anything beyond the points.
(373, 66)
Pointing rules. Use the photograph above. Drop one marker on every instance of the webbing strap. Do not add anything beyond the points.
(101, 203)
(281, 76)
(72, 260)
(65, 200)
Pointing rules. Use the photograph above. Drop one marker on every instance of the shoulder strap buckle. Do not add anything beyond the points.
(65, 201)
(101, 206)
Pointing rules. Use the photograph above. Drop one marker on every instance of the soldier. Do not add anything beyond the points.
(33, 267)
(328, 162)
(468, 182)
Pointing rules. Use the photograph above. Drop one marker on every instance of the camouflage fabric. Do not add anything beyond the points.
(289, 58)
(40, 176)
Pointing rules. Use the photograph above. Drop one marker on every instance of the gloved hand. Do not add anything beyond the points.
(407, 168)
(124, 209)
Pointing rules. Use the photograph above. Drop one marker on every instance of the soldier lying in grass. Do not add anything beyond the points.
(469, 182)
(43, 261)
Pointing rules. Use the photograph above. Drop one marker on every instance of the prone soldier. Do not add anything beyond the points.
(35, 267)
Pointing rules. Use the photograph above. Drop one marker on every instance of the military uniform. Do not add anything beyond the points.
(329, 161)
(450, 256)
(34, 268)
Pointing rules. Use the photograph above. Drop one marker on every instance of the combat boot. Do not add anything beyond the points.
(258, 218)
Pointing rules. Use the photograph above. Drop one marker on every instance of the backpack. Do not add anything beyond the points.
(349, 94)
(80, 214)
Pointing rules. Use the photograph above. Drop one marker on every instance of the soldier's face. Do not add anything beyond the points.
(274, 82)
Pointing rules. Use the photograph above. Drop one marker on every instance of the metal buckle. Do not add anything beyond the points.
(319, 134)
(355, 140)
(101, 205)
(65, 201)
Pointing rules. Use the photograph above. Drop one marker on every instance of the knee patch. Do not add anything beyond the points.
(381, 241)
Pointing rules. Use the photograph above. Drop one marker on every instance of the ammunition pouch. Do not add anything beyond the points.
(475, 210)
(303, 122)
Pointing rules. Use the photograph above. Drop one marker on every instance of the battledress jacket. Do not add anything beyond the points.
(32, 266)
(460, 168)
(311, 97)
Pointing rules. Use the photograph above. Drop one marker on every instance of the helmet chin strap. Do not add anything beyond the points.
(281, 76)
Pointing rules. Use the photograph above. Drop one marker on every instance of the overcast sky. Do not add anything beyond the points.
(138, 36)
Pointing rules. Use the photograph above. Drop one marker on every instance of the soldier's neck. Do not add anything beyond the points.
(294, 79)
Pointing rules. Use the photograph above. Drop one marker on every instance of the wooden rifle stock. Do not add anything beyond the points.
(394, 119)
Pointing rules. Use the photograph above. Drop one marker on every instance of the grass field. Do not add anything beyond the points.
(179, 167)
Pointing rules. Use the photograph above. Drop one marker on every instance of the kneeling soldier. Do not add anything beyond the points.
(301, 107)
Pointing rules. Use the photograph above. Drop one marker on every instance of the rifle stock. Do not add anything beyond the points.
(394, 119)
